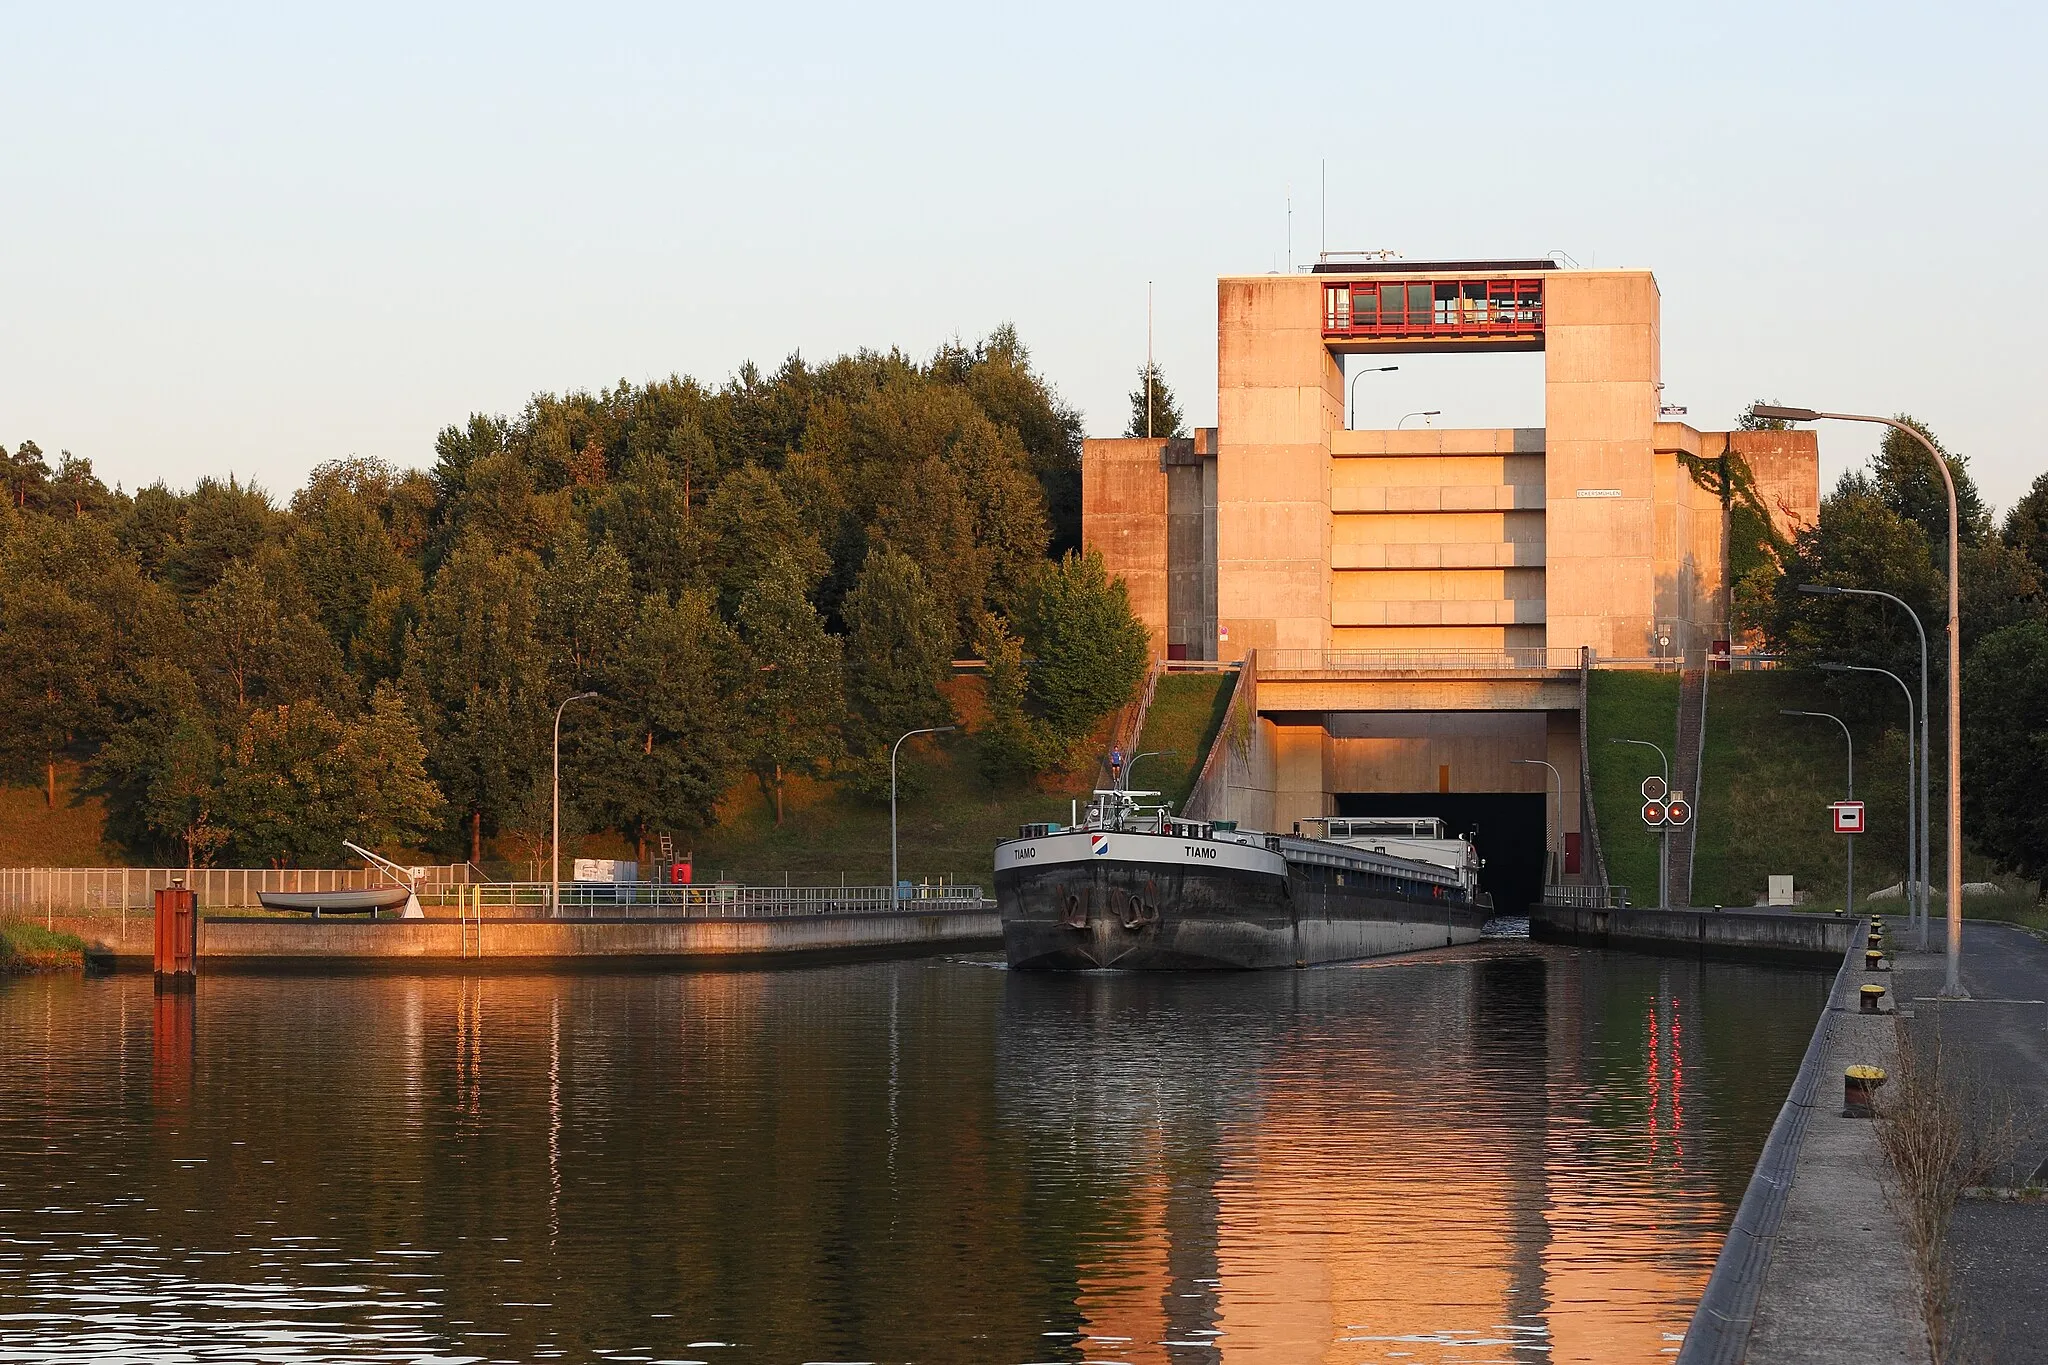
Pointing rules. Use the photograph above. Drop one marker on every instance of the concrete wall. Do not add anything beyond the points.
(1279, 396)
(1600, 397)
(1124, 516)
(254, 942)
(1786, 468)
(1759, 934)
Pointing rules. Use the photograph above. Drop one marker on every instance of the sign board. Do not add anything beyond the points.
(1781, 889)
(1848, 817)
(1653, 788)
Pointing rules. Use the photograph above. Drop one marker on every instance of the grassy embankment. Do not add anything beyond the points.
(1767, 784)
(949, 816)
(28, 947)
(34, 835)
(1186, 711)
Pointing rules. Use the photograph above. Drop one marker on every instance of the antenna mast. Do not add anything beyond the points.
(1148, 360)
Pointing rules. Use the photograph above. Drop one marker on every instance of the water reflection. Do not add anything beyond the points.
(1462, 1157)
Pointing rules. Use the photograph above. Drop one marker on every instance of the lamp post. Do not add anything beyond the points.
(896, 885)
(1663, 830)
(1849, 894)
(1370, 369)
(1558, 778)
(555, 839)
(1953, 988)
(1132, 766)
(1433, 412)
(1912, 864)
(1926, 749)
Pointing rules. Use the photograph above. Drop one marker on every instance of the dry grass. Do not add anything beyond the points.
(1943, 1131)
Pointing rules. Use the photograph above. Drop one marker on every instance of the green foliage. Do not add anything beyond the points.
(1911, 486)
(703, 556)
(1155, 411)
(798, 701)
(1089, 649)
(298, 780)
(2026, 524)
(1013, 741)
(898, 648)
(2005, 747)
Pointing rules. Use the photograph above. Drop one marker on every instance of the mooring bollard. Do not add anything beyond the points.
(177, 931)
(1859, 1090)
(1876, 939)
(1873, 960)
(1868, 996)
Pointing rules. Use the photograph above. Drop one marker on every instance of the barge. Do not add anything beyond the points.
(1135, 887)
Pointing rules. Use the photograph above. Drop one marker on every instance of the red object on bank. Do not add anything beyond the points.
(679, 874)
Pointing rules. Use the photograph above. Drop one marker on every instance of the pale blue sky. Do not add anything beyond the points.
(255, 238)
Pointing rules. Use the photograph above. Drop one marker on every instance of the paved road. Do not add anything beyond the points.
(1997, 1041)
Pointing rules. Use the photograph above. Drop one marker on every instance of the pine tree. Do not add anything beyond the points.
(1160, 417)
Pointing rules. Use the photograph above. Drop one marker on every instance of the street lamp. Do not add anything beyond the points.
(1953, 988)
(555, 840)
(1557, 852)
(895, 885)
(1926, 749)
(1433, 412)
(1849, 894)
(1370, 369)
(1912, 829)
(1132, 766)
(1664, 830)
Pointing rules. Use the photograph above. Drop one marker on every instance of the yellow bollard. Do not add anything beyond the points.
(1859, 1090)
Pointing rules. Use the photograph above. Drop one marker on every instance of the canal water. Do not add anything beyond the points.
(1508, 1152)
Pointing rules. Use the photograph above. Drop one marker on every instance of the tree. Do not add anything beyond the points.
(1090, 648)
(898, 648)
(1859, 542)
(298, 780)
(750, 524)
(2005, 747)
(1911, 486)
(1155, 413)
(796, 703)
(476, 674)
(1013, 742)
(183, 791)
(675, 741)
(2026, 524)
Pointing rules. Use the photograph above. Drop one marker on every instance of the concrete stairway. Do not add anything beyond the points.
(1686, 761)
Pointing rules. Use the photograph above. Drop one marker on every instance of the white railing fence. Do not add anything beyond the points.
(114, 890)
(45, 892)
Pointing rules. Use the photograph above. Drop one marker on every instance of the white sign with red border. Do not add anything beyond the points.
(1848, 816)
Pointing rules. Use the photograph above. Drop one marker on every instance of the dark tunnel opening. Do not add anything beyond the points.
(1507, 827)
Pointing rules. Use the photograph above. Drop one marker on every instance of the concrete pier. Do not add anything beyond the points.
(1755, 935)
(1816, 1266)
(232, 943)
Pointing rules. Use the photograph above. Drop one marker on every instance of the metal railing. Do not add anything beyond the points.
(711, 900)
(1587, 897)
(1283, 661)
(50, 891)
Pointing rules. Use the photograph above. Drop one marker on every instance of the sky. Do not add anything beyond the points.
(249, 239)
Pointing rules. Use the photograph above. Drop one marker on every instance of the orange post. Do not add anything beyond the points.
(177, 931)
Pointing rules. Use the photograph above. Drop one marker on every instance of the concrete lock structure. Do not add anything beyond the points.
(1420, 604)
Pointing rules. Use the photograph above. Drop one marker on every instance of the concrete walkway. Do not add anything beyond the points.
(1832, 1290)
(1995, 1044)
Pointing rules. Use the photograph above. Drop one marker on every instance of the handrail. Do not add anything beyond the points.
(1560, 659)
(714, 900)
